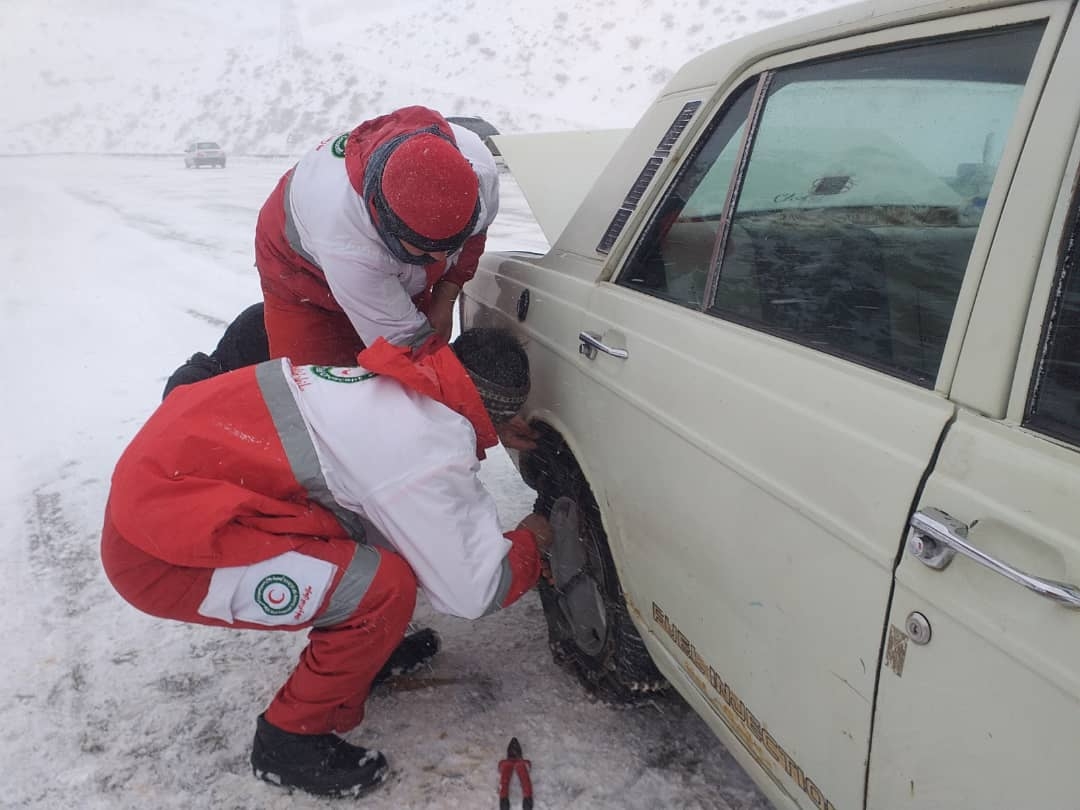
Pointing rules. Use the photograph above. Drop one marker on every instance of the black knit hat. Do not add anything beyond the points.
(498, 367)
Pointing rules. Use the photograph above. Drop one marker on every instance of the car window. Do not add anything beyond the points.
(208, 145)
(863, 194)
(858, 204)
(1054, 404)
(674, 257)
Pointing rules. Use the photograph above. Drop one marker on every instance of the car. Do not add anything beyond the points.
(485, 130)
(203, 153)
(805, 371)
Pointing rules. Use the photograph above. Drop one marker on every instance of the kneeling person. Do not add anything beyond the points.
(282, 497)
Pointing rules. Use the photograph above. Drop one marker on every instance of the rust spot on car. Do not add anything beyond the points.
(896, 650)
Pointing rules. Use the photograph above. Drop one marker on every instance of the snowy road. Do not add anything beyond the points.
(114, 270)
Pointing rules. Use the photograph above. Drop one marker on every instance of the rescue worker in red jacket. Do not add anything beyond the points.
(372, 234)
(285, 497)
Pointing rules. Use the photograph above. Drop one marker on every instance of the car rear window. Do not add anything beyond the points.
(1052, 408)
(207, 145)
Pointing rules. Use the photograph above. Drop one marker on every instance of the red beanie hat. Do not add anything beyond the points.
(430, 186)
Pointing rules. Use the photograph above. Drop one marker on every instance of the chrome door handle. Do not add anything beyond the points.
(934, 538)
(591, 344)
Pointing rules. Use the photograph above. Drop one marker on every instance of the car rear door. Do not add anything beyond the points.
(979, 698)
(767, 371)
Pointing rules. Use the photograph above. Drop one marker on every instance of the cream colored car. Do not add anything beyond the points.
(806, 357)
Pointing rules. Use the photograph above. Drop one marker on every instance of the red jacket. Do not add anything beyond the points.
(316, 245)
(209, 481)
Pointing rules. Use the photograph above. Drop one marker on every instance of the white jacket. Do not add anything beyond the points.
(407, 464)
(336, 234)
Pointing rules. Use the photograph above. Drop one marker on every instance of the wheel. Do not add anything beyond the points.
(589, 627)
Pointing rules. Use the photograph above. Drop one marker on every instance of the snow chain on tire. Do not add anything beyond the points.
(622, 671)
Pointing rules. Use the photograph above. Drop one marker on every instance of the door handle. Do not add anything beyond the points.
(934, 538)
(591, 344)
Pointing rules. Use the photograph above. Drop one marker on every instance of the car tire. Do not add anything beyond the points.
(590, 631)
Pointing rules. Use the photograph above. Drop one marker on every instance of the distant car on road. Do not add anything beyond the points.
(482, 128)
(804, 357)
(203, 153)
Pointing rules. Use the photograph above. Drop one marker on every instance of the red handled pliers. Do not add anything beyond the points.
(514, 764)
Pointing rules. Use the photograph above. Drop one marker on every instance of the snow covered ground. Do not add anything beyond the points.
(114, 270)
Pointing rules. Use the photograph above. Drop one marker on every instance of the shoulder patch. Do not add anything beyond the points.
(342, 374)
(338, 147)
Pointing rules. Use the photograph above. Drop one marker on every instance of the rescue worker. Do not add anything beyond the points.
(372, 234)
(284, 496)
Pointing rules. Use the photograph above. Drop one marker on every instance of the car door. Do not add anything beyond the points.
(979, 700)
(766, 370)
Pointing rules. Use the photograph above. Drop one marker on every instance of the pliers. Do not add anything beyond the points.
(514, 764)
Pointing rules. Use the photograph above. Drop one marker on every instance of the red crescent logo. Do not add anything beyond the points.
(270, 597)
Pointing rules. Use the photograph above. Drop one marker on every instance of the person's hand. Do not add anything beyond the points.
(541, 531)
(517, 434)
(441, 309)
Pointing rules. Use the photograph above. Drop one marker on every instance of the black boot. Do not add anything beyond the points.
(415, 650)
(321, 764)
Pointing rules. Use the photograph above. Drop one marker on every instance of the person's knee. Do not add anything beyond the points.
(395, 587)
(377, 586)
(396, 573)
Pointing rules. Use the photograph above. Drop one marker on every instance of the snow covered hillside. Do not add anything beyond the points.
(275, 77)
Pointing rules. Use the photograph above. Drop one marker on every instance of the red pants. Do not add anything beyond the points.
(327, 690)
(308, 335)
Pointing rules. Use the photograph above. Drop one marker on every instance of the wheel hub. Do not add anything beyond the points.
(580, 599)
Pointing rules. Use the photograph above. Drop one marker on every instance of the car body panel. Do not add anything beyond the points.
(555, 304)
(585, 230)
(985, 715)
(756, 491)
(1000, 682)
(799, 469)
(555, 169)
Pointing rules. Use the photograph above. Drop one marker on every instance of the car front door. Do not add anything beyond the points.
(765, 372)
(979, 701)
